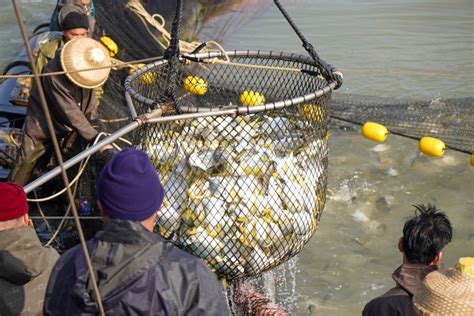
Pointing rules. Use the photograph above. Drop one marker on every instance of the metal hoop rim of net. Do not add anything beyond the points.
(244, 192)
(238, 109)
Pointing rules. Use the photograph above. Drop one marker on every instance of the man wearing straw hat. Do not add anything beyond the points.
(70, 99)
(138, 272)
(448, 294)
(25, 265)
(74, 25)
(424, 237)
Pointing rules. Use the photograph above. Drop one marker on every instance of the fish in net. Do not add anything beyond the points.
(243, 155)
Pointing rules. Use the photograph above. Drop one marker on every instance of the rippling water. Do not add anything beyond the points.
(417, 49)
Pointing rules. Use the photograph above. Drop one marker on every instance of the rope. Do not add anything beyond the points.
(117, 120)
(42, 215)
(220, 48)
(115, 64)
(63, 220)
(66, 215)
(53, 196)
(184, 46)
(230, 63)
(80, 172)
(399, 134)
(133, 64)
(59, 157)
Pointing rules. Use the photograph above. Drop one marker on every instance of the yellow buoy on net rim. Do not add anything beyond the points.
(146, 78)
(252, 98)
(431, 146)
(374, 131)
(195, 85)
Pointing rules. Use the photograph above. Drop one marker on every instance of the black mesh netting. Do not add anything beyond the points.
(447, 119)
(243, 192)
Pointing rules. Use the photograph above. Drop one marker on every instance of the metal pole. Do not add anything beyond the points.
(59, 157)
(81, 156)
(151, 119)
(131, 108)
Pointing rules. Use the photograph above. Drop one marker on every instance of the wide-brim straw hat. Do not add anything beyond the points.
(448, 294)
(86, 53)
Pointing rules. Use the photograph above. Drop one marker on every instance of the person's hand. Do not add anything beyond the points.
(98, 125)
(104, 155)
(105, 148)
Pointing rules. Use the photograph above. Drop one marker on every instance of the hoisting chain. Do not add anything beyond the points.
(328, 71)
(172, 54)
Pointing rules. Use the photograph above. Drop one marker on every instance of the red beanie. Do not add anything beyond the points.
(13, 202)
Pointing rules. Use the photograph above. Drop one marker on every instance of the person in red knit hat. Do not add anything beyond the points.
(25, 265)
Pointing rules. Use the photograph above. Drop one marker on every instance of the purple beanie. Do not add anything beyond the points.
(128, 187)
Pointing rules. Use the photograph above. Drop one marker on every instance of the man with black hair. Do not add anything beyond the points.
(424, 237)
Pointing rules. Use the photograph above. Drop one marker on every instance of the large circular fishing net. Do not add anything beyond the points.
(242, 154)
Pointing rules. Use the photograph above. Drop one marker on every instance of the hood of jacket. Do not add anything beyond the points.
(22, 257)
(410, 276)
(120, 254)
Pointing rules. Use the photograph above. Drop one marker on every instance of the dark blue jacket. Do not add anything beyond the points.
(138, 273)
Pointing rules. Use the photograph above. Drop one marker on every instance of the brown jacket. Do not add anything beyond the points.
(398, 300)
(70, 106)
(25, 267)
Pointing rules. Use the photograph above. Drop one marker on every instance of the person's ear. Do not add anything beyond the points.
(400, 244)
(25, 220)
(437, 259)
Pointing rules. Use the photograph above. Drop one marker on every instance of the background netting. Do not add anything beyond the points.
(243, 192)
(449, 120)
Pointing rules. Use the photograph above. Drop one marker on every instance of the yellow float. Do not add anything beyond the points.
(312, 112)
(432, 146)
(146, 78)
(374, 131)
(195, 85)
(251, 98)
(110, 44)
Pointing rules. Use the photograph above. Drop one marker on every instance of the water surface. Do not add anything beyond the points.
(417, 49)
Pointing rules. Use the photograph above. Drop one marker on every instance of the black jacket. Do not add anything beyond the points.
(398, 301)
(138, 273)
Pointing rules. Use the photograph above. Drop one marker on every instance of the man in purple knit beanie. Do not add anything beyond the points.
(137, 271)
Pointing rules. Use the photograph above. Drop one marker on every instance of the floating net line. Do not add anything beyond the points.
(450, 120)
(244, 192)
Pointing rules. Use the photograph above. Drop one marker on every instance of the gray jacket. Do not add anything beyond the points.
(138, 273)
(25, 267)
